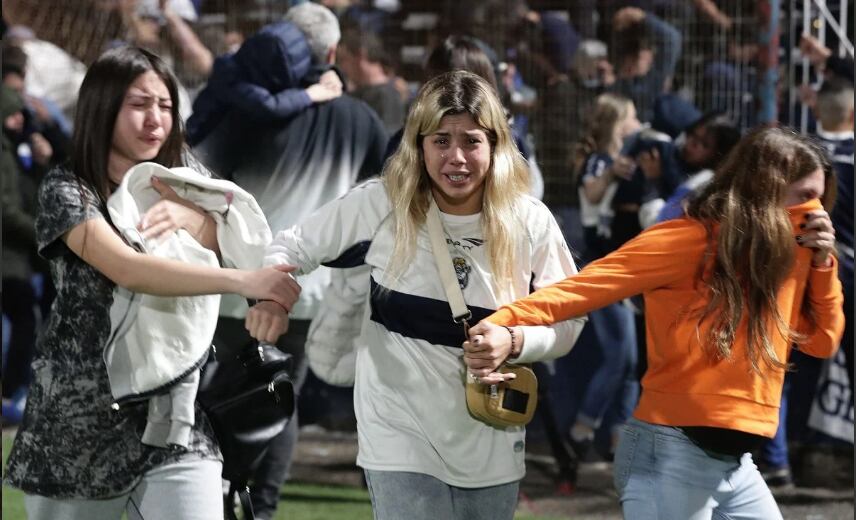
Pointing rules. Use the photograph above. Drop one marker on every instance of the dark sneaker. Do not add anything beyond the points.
(778, 477)
(586, 452)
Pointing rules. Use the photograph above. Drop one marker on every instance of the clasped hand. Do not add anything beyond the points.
(172, 213)
(488, 347)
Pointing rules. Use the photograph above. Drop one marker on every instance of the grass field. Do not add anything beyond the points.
(298, 501)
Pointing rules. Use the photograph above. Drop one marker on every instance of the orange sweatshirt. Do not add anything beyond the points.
(683, 386)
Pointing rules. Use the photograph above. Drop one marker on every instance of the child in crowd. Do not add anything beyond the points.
(598, 166)
(262, 80)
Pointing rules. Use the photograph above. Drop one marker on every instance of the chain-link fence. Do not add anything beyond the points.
(552, 56)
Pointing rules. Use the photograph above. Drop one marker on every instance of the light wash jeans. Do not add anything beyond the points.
(660, 474)
(400, 495)
(186, 490)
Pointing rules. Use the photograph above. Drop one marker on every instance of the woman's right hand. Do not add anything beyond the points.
(271, 283)
(622, 168)
(266, 321)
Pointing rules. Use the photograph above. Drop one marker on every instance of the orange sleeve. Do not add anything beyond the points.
(655, 258)
(826, 301)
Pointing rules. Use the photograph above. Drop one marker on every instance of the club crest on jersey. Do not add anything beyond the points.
(462, 269)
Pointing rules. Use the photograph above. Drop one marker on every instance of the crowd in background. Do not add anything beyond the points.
(624, 110)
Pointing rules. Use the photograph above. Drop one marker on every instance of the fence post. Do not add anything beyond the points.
(768, 12)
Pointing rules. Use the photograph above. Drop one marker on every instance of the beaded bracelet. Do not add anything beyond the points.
(514, 352)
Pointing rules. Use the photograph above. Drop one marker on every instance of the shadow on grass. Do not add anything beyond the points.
(324, 498)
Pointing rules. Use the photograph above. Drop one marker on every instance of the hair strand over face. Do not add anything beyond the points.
(408, 184)
(749, 231)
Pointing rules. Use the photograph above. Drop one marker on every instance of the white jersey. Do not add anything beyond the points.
(409, 393)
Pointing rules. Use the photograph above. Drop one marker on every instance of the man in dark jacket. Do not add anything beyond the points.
(292, 167)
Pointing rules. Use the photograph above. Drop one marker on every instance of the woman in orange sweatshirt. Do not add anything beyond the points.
(728, 291)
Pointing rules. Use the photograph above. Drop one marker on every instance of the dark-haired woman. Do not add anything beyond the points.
(727, 290)
(75, 456)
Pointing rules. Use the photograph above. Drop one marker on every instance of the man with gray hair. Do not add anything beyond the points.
(293, 166)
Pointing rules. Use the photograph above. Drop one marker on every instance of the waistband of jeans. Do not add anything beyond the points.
(677, 432)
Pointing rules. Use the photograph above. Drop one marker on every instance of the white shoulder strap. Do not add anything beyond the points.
(460, 312)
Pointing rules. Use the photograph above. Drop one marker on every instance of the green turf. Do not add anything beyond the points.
(298, 501)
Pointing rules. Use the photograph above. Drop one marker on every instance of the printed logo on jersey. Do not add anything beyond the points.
(462, 269)
(465, 243)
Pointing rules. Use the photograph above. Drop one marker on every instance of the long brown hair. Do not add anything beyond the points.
(750, 256)
(609, 111)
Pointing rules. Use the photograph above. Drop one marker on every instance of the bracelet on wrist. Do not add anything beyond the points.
(280, 305)
(515, 350)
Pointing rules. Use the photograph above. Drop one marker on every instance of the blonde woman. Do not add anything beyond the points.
(424, 456)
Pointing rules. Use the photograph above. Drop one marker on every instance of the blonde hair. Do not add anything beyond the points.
(608, 112)
(750, 257)
(408, 185)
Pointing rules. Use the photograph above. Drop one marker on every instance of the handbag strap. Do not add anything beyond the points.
(460, 312)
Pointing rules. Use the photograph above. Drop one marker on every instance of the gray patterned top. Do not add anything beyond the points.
(71, 443)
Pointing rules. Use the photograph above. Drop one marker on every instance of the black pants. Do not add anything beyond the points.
(19, 305)
(265, 484)
(847, 338)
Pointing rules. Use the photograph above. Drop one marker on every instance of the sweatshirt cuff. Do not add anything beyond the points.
(538, 340)
(823, 280)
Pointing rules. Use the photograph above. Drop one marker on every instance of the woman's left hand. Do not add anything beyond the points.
(650, 164)
(172, 213)
(488, 346)
(819, 235)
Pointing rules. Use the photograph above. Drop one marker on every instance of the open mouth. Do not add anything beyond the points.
(457, 178)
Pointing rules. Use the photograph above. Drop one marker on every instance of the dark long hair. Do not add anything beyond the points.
(461, 53)
(724, 132)
(754, 249)
(101, 96)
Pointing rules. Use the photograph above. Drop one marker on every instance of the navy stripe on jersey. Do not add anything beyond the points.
(419, 317)
(352, 257)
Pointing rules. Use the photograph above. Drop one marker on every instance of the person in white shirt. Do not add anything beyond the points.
(424, 455)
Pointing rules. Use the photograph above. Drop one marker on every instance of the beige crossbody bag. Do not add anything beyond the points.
(511, 403)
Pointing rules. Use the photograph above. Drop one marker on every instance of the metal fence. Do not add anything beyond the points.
(738, 56)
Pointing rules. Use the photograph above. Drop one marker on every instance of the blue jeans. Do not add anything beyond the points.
(774, 452)
(614, 382)
(398, 495)
(660, 474)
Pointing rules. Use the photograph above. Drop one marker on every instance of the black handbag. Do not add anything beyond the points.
(249, 399)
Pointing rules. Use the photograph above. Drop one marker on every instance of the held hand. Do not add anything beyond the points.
(622, 168)
(814, 50)
(331, 79)
(650, 163)
(42, 149)
(627, 16)
(819, 235)
(328, 87)
(488, 346)
(172, 213)
(271, 283)
(266, 321)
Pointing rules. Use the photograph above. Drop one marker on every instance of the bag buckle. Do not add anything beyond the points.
(464, 320)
